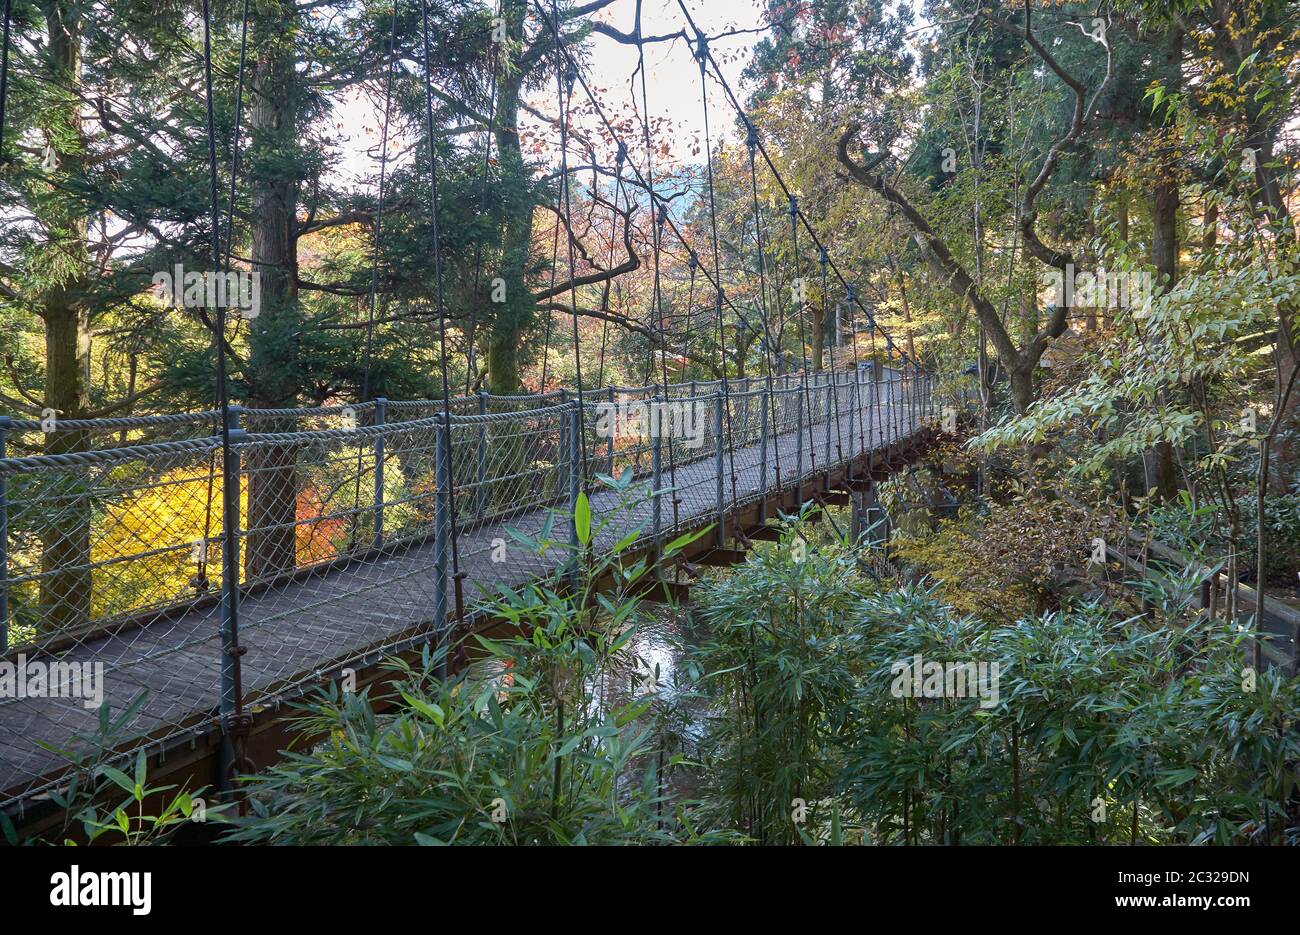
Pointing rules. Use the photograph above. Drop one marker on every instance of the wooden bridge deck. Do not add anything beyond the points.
(295, 629)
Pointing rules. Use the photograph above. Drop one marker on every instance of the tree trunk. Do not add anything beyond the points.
(270, 473)
(1162, 473)
(65, 547)
(818, 336)
(1022, 385)
(513, 316)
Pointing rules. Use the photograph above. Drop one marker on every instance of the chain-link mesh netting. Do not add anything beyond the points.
(111, 538)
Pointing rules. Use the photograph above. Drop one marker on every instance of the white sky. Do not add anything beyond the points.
(673, 83)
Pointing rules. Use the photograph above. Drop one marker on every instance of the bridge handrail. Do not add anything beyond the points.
(179, 418)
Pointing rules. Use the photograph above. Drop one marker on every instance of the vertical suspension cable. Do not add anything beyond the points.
(564, 83)
(200, 580)
(372, 298)
(702, 54)
(803, 344)
(824, 261)
(437, 270)
(751, 142)
(470, 336)
(232, 675)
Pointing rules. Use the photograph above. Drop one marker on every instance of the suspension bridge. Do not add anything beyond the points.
(372, 571)
(213, 566)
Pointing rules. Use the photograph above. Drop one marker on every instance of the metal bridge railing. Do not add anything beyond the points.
(358, 525)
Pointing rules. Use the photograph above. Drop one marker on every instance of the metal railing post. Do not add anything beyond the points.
(480, 493)
(826, 423)
(854, 402)
(574, 469)
(613, 421)
(656, 464)
(6, 423)
(231, 684)
(381, 417)
(441, 528)
(763, 402)
(798, 467)
(718, 419)
(562, 452)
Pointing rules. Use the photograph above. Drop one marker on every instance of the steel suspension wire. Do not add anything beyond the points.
(478, 247)
(799, 316)
(614, 133)
(619, 196)
(564, 87)
(437, 268)
(659, 216)
(200, 579)
(232, 678)
(372, 297)
(702, 54)
(834, 333)
(768, 347)
(740, 111)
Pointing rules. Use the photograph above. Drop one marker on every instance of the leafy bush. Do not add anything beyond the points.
(777, 666)
(529, 751)
(1106, 731)
(1007, 560)
(1195, 531)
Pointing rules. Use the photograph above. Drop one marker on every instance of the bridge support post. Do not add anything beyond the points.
(855, 416)
(381, 415)
(719, 422)
(5, 424)
(234, 722)
(610, 444)
(798, 467)
(441, 531)
(574, 470)
(763, 402)
(826, 423)
(656, 467)
(480, 477)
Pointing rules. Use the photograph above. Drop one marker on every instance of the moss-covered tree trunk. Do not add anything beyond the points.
(512, 316)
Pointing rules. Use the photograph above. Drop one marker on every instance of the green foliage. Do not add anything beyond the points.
(1194, 530)
(1105, 729)
(776, 665)
(91, 799)
(521, 748)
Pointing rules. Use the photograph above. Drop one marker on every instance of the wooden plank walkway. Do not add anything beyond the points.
(296, 628)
